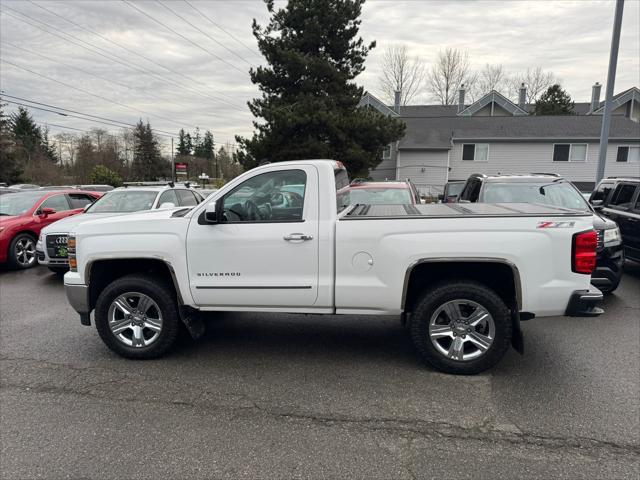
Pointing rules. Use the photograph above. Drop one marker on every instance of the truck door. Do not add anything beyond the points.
(265, 251)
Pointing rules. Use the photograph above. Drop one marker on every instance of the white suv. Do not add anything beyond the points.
(51, 248)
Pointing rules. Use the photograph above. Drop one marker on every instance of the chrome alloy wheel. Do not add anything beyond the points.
(25, 252)
(135, 319)
(462, 330)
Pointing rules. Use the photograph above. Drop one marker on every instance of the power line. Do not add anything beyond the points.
(87, 92)
(106, 39)
(110, 56)
(183, 37)
(65, 112)
(98, 77)
(220, 28)
(204, 33)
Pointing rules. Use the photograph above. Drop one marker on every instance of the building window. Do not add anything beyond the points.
(386, 152)
(478, 152)
(628, 154)
(570, 152)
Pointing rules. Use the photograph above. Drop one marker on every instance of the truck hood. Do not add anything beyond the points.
(67, 224)
(143, 222)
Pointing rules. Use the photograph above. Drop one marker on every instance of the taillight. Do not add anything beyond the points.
(584, 252)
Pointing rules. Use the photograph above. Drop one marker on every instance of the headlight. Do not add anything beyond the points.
(71, 251)
(612, 236)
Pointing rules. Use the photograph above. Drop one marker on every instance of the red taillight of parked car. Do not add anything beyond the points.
(584, 252)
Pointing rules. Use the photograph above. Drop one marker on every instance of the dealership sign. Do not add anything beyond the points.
(181, 168)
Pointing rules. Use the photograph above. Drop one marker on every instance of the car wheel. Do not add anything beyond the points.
(22, 251)
(137, 317)
(461, 327)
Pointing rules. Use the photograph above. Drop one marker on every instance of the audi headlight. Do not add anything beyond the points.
(612, 236)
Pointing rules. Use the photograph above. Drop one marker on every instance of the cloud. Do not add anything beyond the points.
(153, 73)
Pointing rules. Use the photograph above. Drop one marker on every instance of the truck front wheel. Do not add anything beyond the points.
(137, 317)
(461, 327)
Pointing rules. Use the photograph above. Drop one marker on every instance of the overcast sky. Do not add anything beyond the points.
(205, 82)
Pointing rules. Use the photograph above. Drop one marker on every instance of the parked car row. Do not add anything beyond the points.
(34, 224)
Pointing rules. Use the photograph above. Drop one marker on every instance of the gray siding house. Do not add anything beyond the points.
(495, 135)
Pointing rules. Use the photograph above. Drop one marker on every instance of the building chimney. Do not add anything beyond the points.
(595, 96)
(461, 99)
(522, 99)
(396, 101)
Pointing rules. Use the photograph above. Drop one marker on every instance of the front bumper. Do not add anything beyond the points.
(78, 296)
(584, 303)
(608, 272)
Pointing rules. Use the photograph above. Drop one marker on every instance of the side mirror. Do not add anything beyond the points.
(167, 205)
(597, 204)
(213, 212)
(45, 212)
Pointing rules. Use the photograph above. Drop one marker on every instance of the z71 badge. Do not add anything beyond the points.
(556, 224)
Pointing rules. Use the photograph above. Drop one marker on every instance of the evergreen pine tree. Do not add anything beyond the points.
(11, 171)
(555, 101)
(183, 140)
(147, 161)
(309, 104)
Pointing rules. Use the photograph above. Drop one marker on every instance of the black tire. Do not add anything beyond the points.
(59, 270)
(453, 290)
(611, 289)
(12, 257)
(161, 293)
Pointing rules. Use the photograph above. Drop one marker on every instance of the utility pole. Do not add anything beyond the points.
(173, 164)
(611, 80)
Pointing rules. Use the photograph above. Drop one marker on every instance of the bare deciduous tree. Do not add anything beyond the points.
(536, 80)
(400, 72)
(492, 77)
(450, 70)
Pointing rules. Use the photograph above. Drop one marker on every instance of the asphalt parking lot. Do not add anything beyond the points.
(288, 396)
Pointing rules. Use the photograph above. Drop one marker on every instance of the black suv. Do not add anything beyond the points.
(551, 189)
(619, 199)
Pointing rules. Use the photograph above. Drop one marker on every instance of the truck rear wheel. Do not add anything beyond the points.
(461, 327)
(137, 317)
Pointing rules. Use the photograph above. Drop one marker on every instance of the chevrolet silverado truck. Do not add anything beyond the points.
(276, 239)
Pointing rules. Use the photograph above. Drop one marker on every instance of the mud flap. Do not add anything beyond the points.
(193, 321)
(517, 339)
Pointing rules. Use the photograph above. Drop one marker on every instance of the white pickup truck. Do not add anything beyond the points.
(275, 239)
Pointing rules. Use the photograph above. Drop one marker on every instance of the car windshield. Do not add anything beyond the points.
(18, 203)
(374, 196)
(455, 189)
(123, 201)
(557, 194)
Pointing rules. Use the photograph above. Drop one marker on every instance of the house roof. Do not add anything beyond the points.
(496, 98)
(437, 132)
(628, 95)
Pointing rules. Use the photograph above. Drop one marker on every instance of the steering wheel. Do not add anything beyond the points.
(251, 210)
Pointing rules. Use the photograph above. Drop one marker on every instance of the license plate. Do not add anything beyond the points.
(57, 246)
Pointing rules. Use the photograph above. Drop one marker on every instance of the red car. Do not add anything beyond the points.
(379, 193)
(24, 214)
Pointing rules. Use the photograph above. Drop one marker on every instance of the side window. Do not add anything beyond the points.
(80, 200)
(186, 198)
(168, 196)
(269, 197)
(602, 192)
(57, 202)
(622, 196)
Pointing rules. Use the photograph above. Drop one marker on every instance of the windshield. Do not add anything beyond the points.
(123, 201)
(18, 203)
(454, 189)
(374, 196)
(557, 194)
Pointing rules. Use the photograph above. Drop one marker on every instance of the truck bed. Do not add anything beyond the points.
(457, 210)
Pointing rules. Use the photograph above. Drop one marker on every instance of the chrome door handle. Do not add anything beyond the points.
(297, 236)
